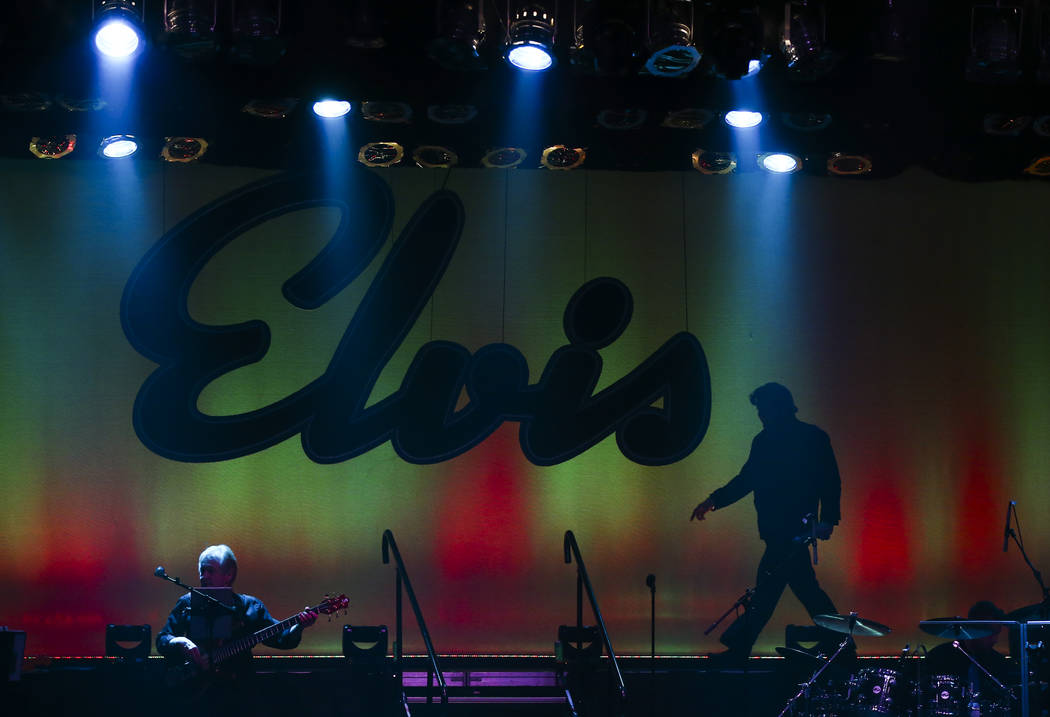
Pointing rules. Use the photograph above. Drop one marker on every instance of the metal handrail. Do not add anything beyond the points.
(389, 544)
(572, 548)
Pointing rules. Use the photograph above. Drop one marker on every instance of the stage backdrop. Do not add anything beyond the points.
(479, 362)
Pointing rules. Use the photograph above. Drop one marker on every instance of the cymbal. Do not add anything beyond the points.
(852, 625)
(1039, 611)
(955, 628)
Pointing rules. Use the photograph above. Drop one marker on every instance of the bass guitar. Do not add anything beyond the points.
(191, 671)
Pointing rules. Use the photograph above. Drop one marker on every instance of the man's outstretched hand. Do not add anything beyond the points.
(703, 509)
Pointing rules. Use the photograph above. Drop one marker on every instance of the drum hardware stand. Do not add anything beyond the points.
(804, 690)
(1003, 688)
(745, 599)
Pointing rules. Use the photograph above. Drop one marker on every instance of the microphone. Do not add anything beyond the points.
(159, 572)
(650, 581)
(1006, 528)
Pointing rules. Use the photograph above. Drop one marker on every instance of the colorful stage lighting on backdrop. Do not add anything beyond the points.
(118, 27)
(707, 162)
(460, 32)
(670, 38)
(779, 162)
(743, 119)
(118, 146)
(996, 36)
(53, 147)
(189, 28)
(331, 109)
(529, 43)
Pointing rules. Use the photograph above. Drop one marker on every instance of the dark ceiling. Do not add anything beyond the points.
(897, 94)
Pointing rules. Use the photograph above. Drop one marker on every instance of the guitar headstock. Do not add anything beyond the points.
(332, 604)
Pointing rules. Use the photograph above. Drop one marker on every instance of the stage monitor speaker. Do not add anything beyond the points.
(365, 645)
(576, 644)
(12, 650)
(131, 642)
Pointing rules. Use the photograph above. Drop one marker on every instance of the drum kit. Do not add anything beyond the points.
(902, 690)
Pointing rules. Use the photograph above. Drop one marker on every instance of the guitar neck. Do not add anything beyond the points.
(246, 643)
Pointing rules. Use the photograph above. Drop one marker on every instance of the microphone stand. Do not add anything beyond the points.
(650, 581)
(1035, 572)
(214, 605)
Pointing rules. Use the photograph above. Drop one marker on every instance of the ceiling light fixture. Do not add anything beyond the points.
(460, 32)
(53, 147)
(118, 27)
(669, 37)
(381, 154)
(183, 150)
(189, 28)
(530, 37)
(118, 146)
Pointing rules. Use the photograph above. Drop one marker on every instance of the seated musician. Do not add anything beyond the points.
(218, 568)
(946, 659)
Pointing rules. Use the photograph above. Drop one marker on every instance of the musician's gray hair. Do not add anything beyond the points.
(223, 554)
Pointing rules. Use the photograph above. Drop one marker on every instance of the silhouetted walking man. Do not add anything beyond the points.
(792, 472)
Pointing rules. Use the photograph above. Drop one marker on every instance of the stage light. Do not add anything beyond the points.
(807, 121)
(118, 146)
(256, 29)
(183, 149)
(689, 118)
(670, 38)
(605, 41)
(381, 154)
(366, 24)
(996, 32)
(743, 119)
(1039, 167)
(1005, 125)
(451, 114)
(270, 109)
(529, 44)
(707, 162)
(25, 102)
(189, 28)
(803, 40)
(625, 119)
(779, 162)
(849, 165)
(460, 30)
(54, 147)
(81, 104)
(434, 157)
(561, 157)
(387, 112)
(331, 109)
(118, 27)
(503, 158)
(733, 35)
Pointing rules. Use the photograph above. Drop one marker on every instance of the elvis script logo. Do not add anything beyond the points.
(659, 411)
